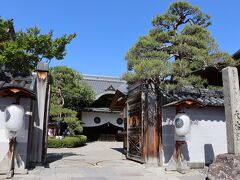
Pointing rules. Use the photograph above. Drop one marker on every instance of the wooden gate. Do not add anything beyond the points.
(134, 125)
(143, 125)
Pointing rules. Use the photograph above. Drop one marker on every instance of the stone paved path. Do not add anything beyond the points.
(102, 161)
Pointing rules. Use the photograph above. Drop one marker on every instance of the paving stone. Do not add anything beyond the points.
(99, 161)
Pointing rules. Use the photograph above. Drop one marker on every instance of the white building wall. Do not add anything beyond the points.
(207, 137)
(22, 137)
(88, 119)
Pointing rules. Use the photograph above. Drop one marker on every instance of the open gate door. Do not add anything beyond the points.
(134, 129)
(143, 125)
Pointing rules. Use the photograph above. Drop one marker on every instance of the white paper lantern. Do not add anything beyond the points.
(14, 115)
(182, 124)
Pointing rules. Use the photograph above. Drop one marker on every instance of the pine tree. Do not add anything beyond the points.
(68, 95)
(178, 44)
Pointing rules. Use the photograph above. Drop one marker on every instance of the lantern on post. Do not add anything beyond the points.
(182, 126)
(14, 115)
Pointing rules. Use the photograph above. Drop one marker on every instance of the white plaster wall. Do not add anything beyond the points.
(22, 137)
(88, 119)
(207, 137)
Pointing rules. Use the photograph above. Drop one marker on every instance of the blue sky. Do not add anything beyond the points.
(106, 29)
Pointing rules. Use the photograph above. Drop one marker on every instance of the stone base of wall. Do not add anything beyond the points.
(196, 165)
(225, 166)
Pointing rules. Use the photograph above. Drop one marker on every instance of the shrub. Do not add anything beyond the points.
(67, 142)
(54, 143)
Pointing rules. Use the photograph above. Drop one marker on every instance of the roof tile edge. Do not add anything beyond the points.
(102, 78)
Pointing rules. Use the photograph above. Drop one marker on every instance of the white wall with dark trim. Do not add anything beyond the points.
(207, 137)
(22, 138)
(88, 119)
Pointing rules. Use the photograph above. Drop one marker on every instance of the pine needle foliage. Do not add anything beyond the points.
(178, 44)
(68, 95)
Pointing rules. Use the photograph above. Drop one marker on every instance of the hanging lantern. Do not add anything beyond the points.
(182, 124)
(14, 115)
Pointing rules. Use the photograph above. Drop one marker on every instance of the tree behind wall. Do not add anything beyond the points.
(178, 44)
(68, 94)
(22, 50)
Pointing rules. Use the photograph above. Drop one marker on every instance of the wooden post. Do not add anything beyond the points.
(38, 150)
(152, 121)
(232, 108)
(177, 147)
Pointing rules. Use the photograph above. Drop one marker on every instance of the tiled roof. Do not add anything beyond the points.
(17, 80)
(123, 88)
(205, 96)
(101, 83)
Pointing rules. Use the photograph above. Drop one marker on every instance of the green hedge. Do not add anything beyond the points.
(67, 142)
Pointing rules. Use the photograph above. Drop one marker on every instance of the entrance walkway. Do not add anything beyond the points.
(100, 160)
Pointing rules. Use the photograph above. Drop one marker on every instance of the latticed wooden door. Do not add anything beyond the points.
(134, 127)
(143, 125)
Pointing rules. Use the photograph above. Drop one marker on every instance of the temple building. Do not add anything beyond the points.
(98, 121)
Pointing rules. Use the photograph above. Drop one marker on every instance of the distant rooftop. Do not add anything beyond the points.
(101, 83)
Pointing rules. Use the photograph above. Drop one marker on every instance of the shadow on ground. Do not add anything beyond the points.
(52, 157)
(119, 150)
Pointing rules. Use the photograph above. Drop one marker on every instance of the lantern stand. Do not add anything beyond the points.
(177, 161)
(11, 154)
(13, 129)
